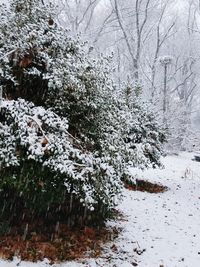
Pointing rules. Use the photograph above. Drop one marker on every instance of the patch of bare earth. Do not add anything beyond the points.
(145, 186)
(34, 242)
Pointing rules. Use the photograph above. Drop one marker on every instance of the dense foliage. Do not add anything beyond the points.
(67, 137)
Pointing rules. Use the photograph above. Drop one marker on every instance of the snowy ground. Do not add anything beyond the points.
(166, 225)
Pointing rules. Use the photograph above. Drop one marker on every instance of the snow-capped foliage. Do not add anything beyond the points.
(32, 136)
(131, 134)
(41, 63)
(65, 130)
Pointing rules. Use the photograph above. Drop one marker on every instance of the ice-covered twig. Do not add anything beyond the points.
(9, 53)
(39, 126)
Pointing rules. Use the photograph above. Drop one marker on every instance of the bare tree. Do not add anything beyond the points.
(141, 19)
(161, 37)
(77, 14)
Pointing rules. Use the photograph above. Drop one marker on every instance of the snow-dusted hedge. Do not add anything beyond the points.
(65, 132)
(38, 138)
(132, 136)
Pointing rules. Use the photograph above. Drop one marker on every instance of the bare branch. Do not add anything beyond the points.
(182, 83)
(123, 30)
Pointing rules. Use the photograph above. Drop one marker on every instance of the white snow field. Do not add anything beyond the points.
(159, 230)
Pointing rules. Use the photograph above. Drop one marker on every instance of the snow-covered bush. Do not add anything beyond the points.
(44, 164)
(41, 63)
(54, 94)
(65, 132)
(132, 135)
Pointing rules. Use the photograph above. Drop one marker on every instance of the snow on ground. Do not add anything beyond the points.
(166, 226)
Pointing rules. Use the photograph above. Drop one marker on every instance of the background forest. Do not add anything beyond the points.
(155, 46)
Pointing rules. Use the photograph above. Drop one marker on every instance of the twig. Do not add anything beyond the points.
(39, 128)
(7, 54)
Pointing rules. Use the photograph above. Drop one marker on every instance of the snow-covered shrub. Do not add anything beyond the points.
(132, 135)
(44, 164)
(144, 135)
(41, 63)
(65, 133)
